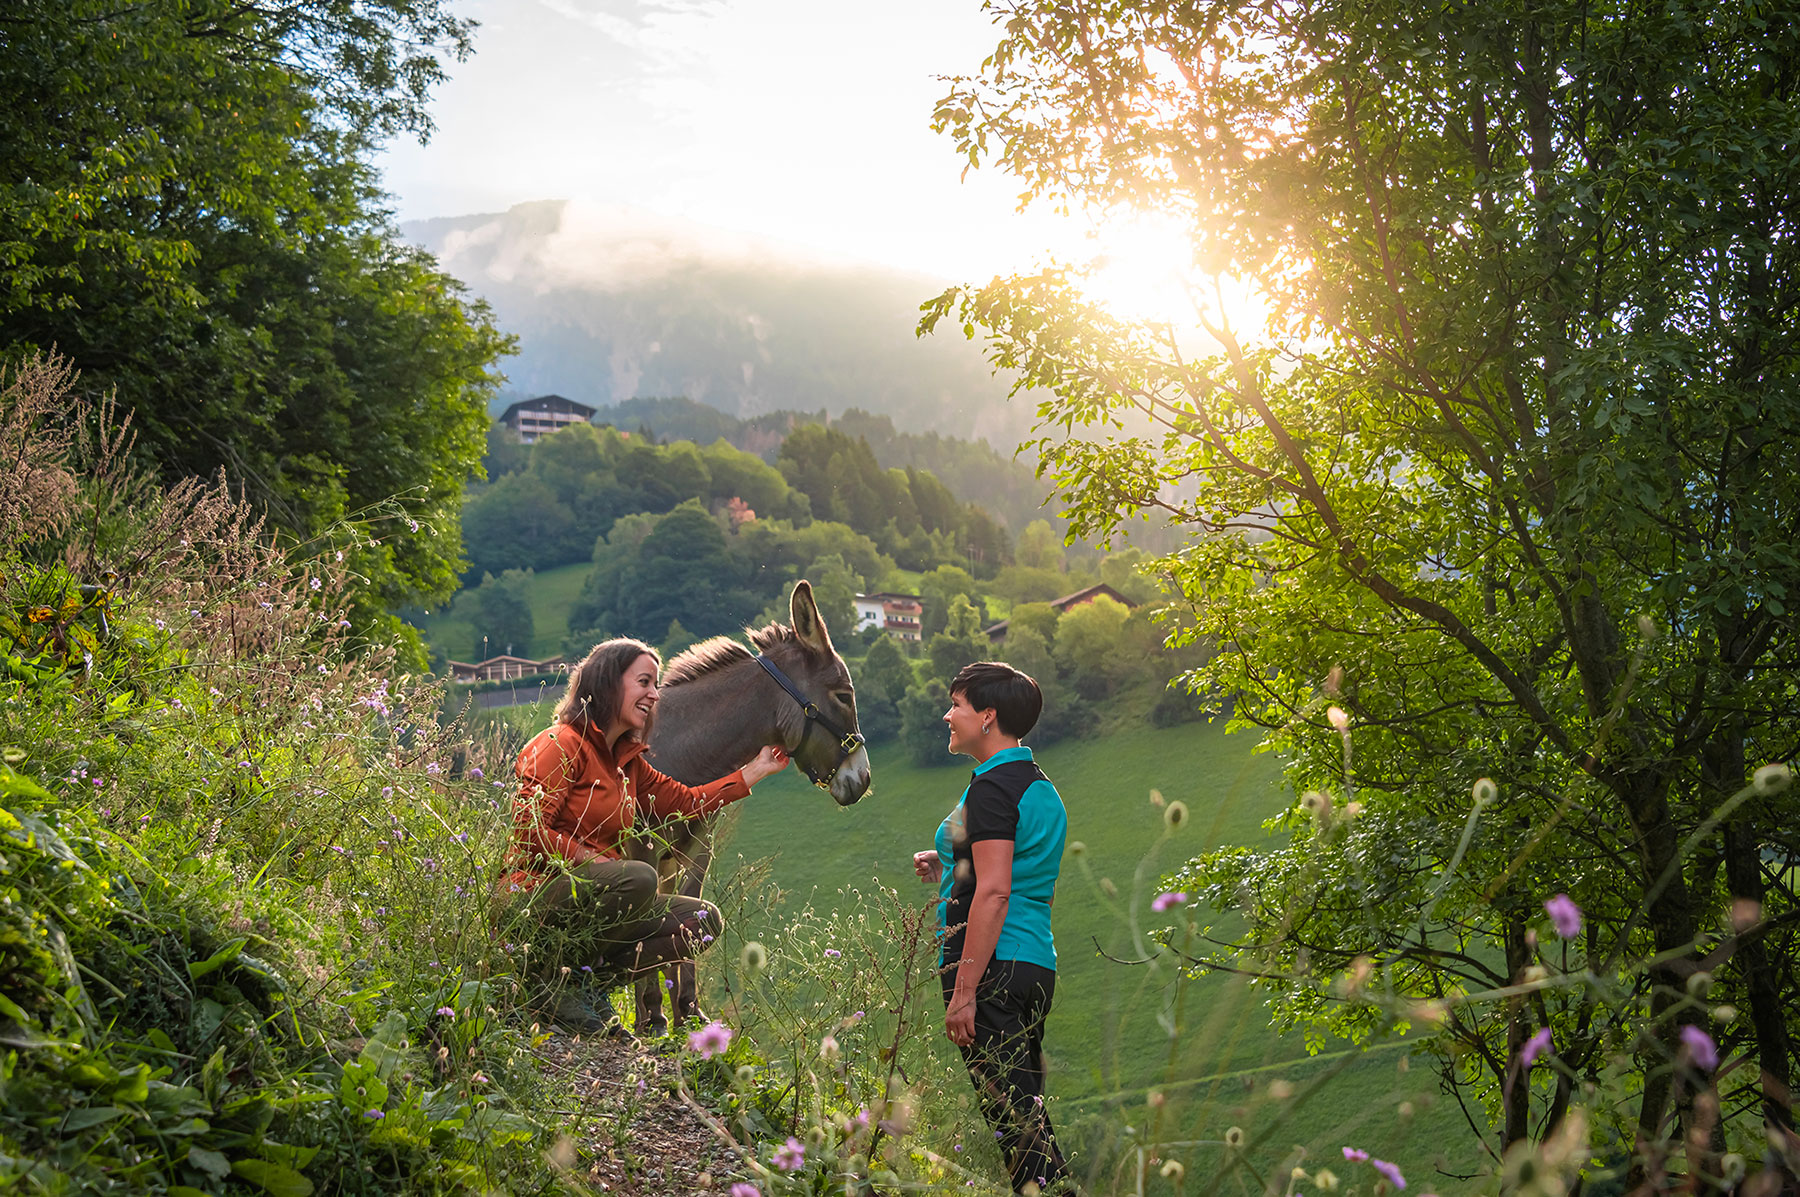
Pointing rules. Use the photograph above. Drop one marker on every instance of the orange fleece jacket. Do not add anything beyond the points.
(577, 800)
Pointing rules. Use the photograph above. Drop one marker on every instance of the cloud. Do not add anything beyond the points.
(610, 247)
(656, 30)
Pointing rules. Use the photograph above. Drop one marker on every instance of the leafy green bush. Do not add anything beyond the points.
(245, 940)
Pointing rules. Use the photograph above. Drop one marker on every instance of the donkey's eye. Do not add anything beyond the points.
(847, 697)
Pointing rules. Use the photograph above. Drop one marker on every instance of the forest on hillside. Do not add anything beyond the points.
(702, 541)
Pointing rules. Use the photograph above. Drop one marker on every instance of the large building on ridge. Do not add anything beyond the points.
(533, 418)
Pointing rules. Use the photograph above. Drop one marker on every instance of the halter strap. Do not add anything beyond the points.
(847, 741)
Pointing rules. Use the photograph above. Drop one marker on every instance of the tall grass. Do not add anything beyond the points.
(248, 939)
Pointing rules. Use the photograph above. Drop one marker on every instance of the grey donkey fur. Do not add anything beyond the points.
(718, 709)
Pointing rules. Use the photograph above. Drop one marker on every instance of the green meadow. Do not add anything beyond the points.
(551, 594)
(1110, 1041)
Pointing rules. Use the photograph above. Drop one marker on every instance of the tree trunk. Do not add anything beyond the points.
(1743, 875)
(1672, 924)
(1517, 1085)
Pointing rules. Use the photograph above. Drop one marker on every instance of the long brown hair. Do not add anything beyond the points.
(596, 684)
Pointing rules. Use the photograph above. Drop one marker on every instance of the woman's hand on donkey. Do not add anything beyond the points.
(770, 761)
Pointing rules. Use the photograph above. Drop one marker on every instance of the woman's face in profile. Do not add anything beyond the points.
(638, 693)
(964, 722)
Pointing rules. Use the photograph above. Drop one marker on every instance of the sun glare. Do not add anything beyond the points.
(1141, 269)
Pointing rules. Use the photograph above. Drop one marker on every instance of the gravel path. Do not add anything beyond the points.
(642, 1140)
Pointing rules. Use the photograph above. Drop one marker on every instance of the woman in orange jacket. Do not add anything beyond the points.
(581, 783)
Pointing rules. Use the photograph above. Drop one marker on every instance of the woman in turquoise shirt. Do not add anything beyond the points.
(996, 862)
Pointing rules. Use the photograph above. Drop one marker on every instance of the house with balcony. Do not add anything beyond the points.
(534, 418)
(901, 616)
(503, 667)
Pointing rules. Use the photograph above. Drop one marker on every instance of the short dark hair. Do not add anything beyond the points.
(596, 685)
(1014, 697)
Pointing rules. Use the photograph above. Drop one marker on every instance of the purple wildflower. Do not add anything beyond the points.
(1534, 1047)
(374, 1115)
(745, 1189)
(1391, 1171)
(1355, 1154)
(446, 1011)
(833, 952)
(1565, 916)
(475, 772)
(791, 1156)
(1164, 902)
(710, 1040)
(1700, 1047)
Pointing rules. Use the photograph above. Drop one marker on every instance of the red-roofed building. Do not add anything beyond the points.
(901, 616)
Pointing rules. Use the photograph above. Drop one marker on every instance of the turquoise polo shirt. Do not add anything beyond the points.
(1008, 798)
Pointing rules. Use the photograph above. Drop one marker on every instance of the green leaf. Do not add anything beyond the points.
(16, 785)
(213, 1163)
(134, 1086)
(361, 1088)
(496, 1128)
(80, 1120)
(12, 1010)
(217, 960)
(212, 1077)
(296, 1158)
(276, 1179)
(387, 1046)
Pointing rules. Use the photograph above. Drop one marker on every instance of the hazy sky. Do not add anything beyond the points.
(801, 120)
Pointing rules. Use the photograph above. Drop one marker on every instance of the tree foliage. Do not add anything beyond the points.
(960, 643)
(500, 615)
(922, 730)
(911, 514)
(881, 682)
(1509, 480)
(190, 218)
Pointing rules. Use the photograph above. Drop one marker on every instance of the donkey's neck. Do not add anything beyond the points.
(712, 724)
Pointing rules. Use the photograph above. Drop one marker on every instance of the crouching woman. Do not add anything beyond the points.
(593, 918)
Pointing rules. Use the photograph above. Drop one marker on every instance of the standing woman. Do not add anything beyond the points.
(996, 863)
(581, 783)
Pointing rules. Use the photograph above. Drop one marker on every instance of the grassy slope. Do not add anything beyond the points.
(1106, 1046)
(553, 594)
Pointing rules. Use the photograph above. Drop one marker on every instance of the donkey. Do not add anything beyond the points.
(719, 706)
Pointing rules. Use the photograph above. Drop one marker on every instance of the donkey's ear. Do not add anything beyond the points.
(807, 623)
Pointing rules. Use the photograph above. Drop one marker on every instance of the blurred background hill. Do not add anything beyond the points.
(612, 304)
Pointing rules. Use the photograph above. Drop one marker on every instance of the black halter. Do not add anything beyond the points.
(847, 741)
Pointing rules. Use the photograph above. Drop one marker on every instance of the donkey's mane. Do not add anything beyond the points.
(709, 656)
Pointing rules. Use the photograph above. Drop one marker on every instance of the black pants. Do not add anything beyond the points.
(1006, 1065)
